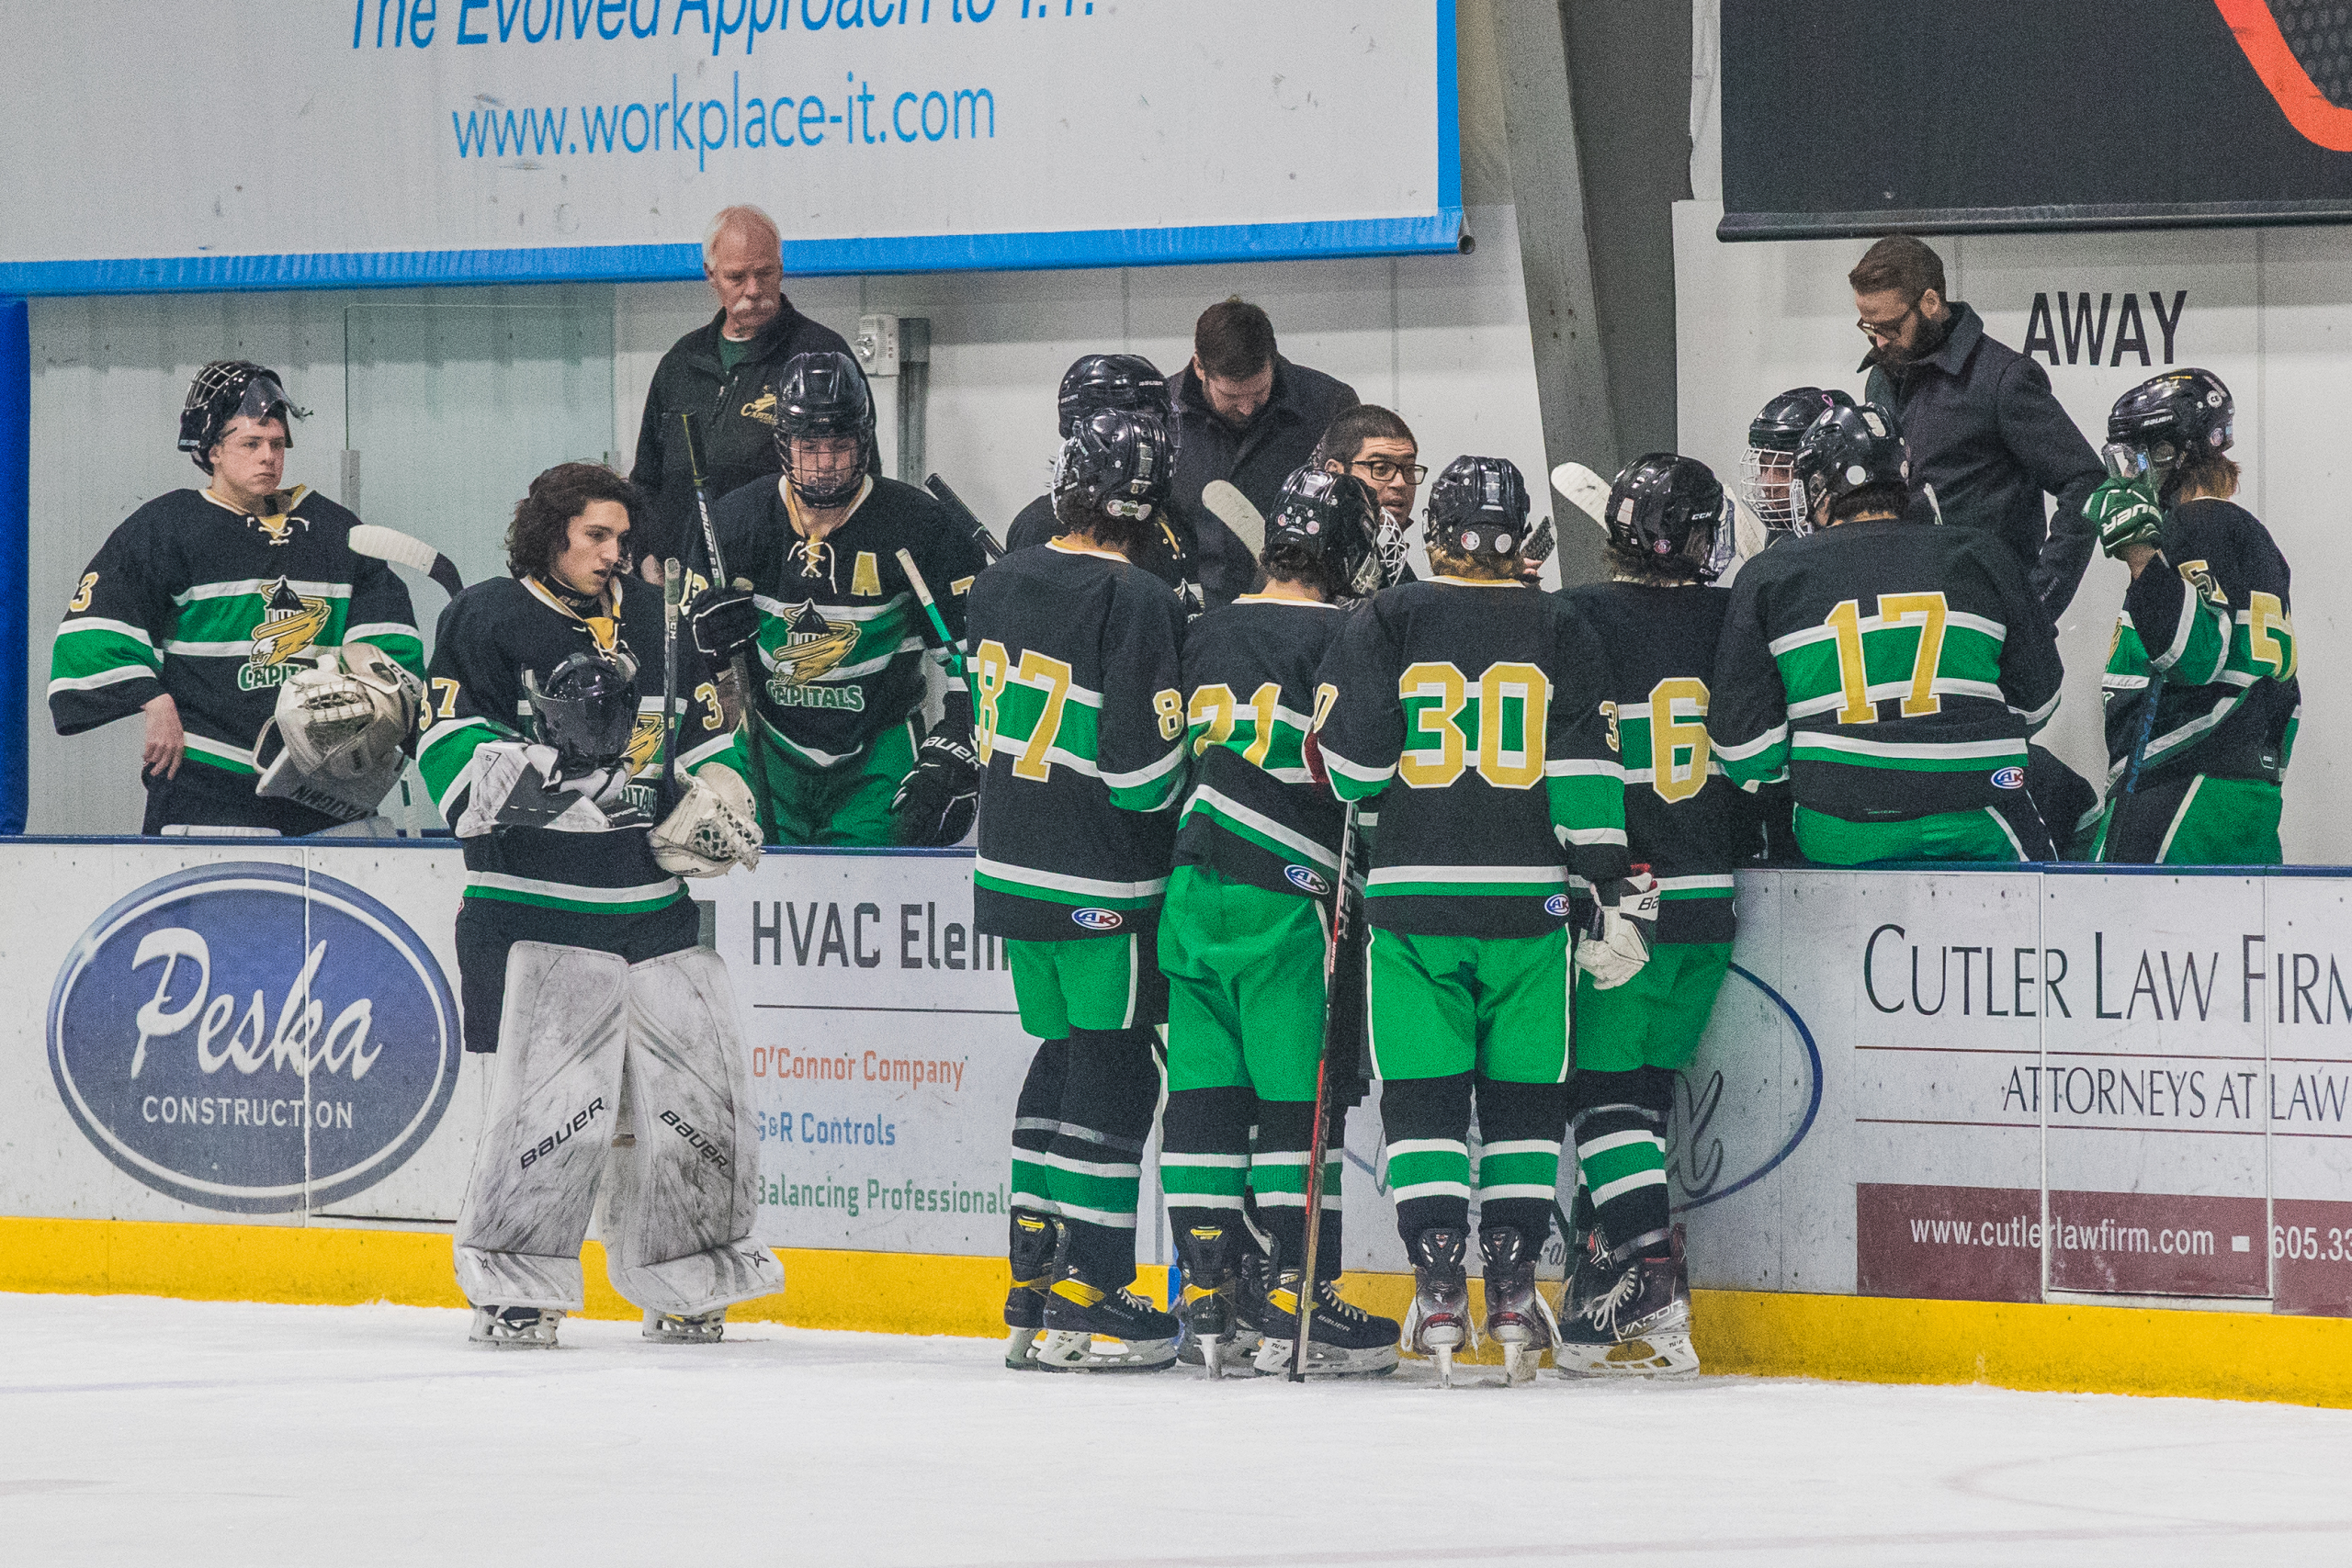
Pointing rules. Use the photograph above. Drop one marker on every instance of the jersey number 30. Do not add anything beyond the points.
(1512, 700)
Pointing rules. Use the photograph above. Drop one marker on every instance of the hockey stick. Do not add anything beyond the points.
(946, 496)
(1318, 1141)
(674, 584)
(1584, 490)
(741, 665)
(1229, 506)
(938, 622)
(406, 549)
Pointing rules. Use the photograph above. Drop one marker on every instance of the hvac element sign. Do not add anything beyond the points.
(252, 1039)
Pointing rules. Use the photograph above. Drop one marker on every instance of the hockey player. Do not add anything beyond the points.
(1092, 383)
(1691, 826)
(843, 634)
(2200, 694)
(1469, 706)
(1767, 480)
(203, 604)
(1891, 670)
(1081, 719)
(1241, 941)
(577, 946)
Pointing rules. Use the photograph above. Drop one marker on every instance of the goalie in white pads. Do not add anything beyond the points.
(577, 946)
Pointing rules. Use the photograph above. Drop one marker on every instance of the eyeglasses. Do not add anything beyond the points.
(1880, 331)
(1384, 471)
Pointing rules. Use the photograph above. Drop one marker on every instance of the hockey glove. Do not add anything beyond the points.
(2125, 514)
(727, 621)
(520, 785)
(937, 800)
(1624, 928)
(712, 829)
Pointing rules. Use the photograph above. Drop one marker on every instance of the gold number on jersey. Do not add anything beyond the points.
(1853, 675)
(1418, 767)
(988, 679)
(1679, 749)
(1265, 702)
(2266, 618)
(714, 716)
(81, 600)
(1168, 703)
(1213, 709)
(1325, 696)
(1510, 755)
(1036, 668)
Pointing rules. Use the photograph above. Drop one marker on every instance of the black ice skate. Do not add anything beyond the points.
(1637, 1324)
(1033, 1252)
(700, 1328)
(515, 1329)
(1439, 1324)
(1342, 1339)
(1518, 1317)
(1208, 1308)
(1089, 1328)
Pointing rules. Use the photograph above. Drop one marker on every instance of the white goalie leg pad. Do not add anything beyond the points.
(553, 1103)
(684, 1199)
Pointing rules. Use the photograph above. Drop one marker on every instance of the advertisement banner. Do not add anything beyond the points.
(393, 142)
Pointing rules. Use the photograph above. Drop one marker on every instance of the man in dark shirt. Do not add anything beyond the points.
(1245, 414)
(724, 373)
(1985, 432)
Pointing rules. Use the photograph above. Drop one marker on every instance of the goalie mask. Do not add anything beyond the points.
(823, 396)
(2161, 422)
(1849, 449)
(1118, 462)
(1330, 524)
(1667, 511)
(1098, 381)
(1767, 480)
(586, 709)
(1478, 508)
(228, 389)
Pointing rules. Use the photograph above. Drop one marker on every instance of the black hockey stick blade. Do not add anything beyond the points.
(405, 549)
(944, 493)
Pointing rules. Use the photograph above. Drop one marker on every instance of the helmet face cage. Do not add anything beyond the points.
(1478, 507)
(1768, 483)
(227, 389)
(587, 709)
(1099, 381)
(821, 396)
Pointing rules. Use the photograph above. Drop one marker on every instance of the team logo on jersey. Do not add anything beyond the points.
(289, 625)
(644, 742)
(762, 408)
(1098, 919)
(1308, 878)
(1556, 905)
(2010, 778)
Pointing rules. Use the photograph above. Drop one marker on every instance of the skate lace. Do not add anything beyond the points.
(1327, 1298)
(1604, 1310)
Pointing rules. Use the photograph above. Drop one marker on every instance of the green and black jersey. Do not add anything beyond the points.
(2212, 614)
(1080, 720)
(1684, 817)
(193, 599)
(487, 637)
(1473, 711)
(1889, 669)
(842, 634)
(1254, 814)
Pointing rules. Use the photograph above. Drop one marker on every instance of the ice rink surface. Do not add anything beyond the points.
(139, 1430)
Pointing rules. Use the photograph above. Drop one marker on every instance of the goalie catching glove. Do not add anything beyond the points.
(522, 785)
(1613, 948)
(937, 800)
(713, 828)
(345, 724)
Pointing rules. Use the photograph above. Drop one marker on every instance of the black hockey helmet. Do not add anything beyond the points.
(1764, 478)
(227, 389)
(1333, 521)
(1669, 512)
(1849, 449)
(587, 708)
(824, 394)
(2166, 418)
(1098, 381)
(1478, 507)
(1117, 461)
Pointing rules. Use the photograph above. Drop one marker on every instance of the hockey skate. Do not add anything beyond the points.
(701, 1328)
(1208, 1308)
(515, 1329)
(1635, 1324)
(1090, 1329)
(1035, 1248)
(1439, 1324)
(1342, 1339)
(1518, 1317)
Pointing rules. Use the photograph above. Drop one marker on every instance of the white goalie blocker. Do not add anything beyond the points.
(343, 728)
(634, 1074)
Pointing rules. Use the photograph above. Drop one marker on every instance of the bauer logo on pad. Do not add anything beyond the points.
(244, 1038)
(1098, 919)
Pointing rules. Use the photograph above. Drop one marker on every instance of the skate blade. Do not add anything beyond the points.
(541, 1337)
(1020, 1350)
(1520, 1360)
(1665, 1356)
(1327, 1360)
(1076, 1350)
(1444, 1365)
(667, 1330)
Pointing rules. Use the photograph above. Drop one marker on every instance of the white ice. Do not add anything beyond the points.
(138, 1430)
